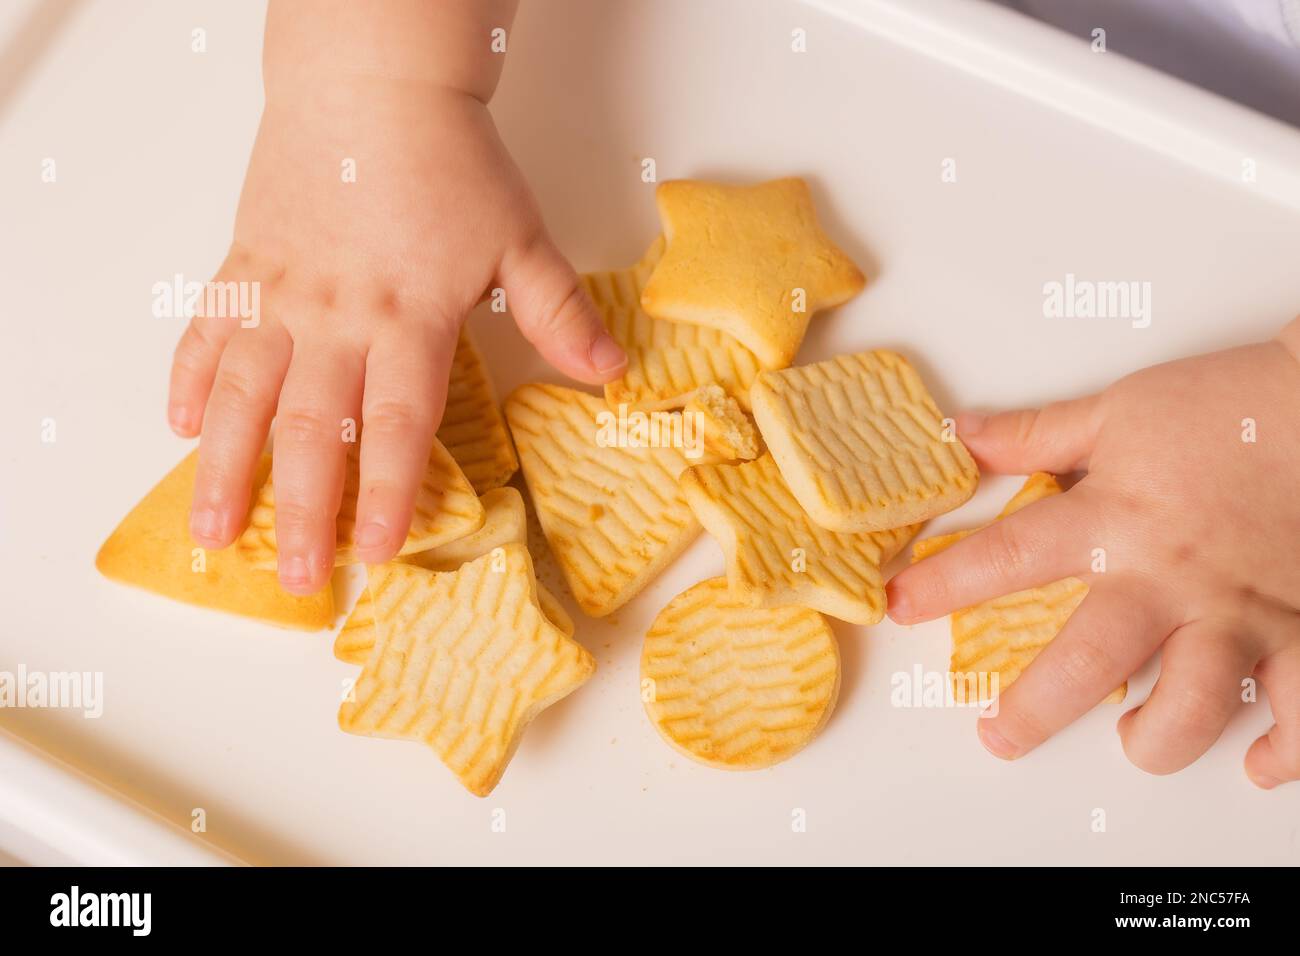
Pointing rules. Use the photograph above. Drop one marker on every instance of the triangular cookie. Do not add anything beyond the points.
(446, 508)
(152, 549)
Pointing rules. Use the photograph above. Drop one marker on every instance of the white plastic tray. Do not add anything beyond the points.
(1067, 161)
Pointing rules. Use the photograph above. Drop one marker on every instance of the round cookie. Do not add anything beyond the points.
(738, 687)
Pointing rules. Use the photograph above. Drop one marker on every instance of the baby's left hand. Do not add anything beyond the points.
(1192, 492)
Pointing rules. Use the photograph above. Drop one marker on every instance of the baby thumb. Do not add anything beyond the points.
(557, 316)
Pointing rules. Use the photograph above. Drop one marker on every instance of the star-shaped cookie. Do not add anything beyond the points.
(464, 660)
(356, 639)
(505, 523)
(751, 261)
(777, 555)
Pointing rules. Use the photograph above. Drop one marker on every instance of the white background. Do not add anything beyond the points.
(207, 711)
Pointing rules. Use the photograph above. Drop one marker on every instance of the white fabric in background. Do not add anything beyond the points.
(1246, 50)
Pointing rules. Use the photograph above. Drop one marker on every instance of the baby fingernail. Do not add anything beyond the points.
(970, 423)
(606, 355)
(1264, 781)
(995, 743)
(899, 609)
(206, 525)
(181, 419)
(371, 535)
(295, 571)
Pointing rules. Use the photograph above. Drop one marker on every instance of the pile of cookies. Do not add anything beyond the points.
(810, 477)
(460, 646)
(822, 473)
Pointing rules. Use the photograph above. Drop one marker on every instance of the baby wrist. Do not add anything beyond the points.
(449, 45)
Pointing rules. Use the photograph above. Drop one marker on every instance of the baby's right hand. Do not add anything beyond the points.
(363, 287)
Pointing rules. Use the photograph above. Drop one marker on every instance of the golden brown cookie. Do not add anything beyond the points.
(613, 516)
(446, 508)
(737, 687)
(777, 556)
(750, 261)
(861, 443)
(997, 640)
(472, 428)
(666, 361)
(152, 549)
(464, 661)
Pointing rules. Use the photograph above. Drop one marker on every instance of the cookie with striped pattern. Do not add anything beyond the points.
(1002, 636)
(777, 555)
(504, 523)
(613, 516)
(464, 660)
(666, 361)
(446, 508)
(861, 443)
(750, 261)
(737, 687)
(472, 428)
(1038, 485)
(357, 637)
